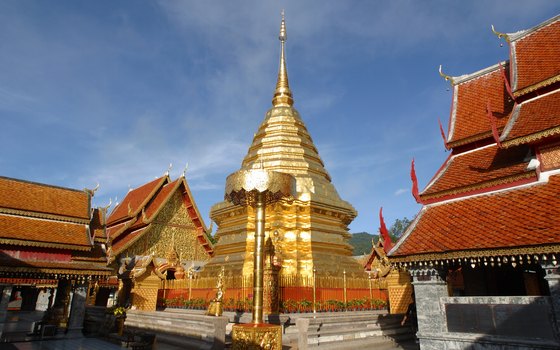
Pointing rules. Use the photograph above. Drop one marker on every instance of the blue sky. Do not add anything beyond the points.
(112, 92)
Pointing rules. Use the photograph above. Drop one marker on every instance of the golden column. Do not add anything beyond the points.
(257, 188)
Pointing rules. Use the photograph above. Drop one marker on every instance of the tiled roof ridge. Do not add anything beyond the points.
(505, 251)
(463, 131)
(533, 137)
(123, 246)
(157, 183)
(465, 78)
(466, 189)
(46, 216)
(175, 185)
(125, 226)
(510, 181)
(425, 208)
(440, 172)
(195, 207)
(522, 34)
(45, 185)
(528, 138)
(18, 242)
(542, 180)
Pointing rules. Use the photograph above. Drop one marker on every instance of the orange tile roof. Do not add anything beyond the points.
(527, 216)
(535, 57)
(136, 199)
(156, 203)
(97, 225)
(481, 168)
(534, 120)
(116, 230)
(469, 120)
(124, 233)
(40, 198)
(80, 268)
(41, 232)
(126, 240)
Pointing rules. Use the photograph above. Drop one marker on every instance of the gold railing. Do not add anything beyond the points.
(283, 281)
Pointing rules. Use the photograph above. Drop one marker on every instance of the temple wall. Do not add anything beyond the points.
(400, 291)
(480, 322)
(145, 292)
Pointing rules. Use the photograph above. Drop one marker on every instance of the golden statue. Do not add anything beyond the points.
(216, 308)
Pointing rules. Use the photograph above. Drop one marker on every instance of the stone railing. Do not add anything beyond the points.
(179, 328)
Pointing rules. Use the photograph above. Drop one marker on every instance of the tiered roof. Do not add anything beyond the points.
(496, 196)
(132, 218)
(47, 230)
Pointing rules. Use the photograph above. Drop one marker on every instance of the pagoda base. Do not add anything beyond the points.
(257, 336)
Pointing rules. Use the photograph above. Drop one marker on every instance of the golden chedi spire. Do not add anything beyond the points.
(308, 231)
(282, 94)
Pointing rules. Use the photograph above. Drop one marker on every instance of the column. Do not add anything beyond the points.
(77, 310)
(552, 277)
(429, 287)
(6, 294)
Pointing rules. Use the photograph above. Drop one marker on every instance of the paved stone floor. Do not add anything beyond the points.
(73, 344)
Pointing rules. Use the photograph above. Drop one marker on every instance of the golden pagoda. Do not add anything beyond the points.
(304, 234)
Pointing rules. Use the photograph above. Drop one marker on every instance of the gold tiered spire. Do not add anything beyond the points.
(308, 231)
(282, 94)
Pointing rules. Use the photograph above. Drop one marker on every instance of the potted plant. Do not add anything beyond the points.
(120, 315)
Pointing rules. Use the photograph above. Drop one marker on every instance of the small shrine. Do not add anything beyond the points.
(155, 235)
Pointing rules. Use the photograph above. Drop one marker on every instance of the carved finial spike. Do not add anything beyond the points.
(500, 35)
(185, 170)
(283, 36)
(108, 205)
(445, 76)
(282, 94)
(169, 169)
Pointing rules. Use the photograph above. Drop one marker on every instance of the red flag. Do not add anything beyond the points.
(495, 134)
(414, 183)
(387, 243)
(443, 134)
(506, 81)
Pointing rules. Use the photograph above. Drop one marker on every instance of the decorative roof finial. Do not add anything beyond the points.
(282, 94)
(168, 169)
(499, 34)
(185, 170)
(448, 78)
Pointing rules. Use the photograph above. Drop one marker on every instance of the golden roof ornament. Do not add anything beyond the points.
(448, 78)
(282, 94)
(500, 35)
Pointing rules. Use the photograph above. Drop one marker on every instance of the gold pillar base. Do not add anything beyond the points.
(257, 336)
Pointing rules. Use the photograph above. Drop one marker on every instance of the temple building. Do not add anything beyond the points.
(52, 246)
(483, 249)
(155, 234)
(305, 234)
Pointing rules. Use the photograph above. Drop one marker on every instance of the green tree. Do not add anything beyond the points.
(398, 227)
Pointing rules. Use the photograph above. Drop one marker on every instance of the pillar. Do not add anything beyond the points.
(429, 286)
(4, 301)
(552, 277)
(77, 310)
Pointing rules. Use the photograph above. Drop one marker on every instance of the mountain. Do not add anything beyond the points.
(361, 242)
